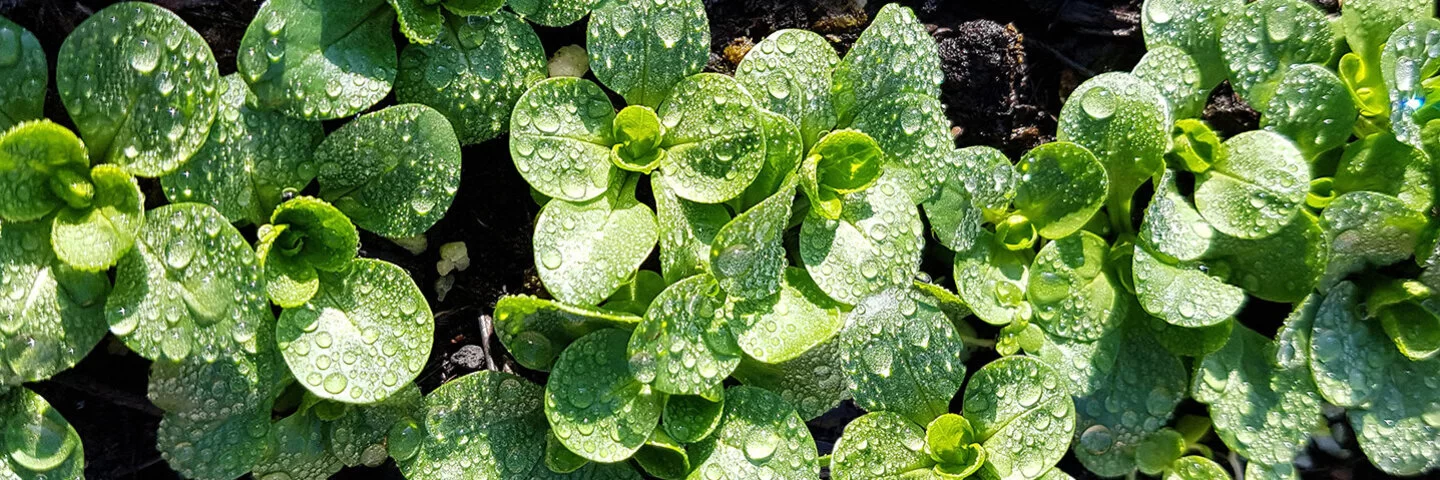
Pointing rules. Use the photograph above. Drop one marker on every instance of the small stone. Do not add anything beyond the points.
(469, 357)
(570, 61)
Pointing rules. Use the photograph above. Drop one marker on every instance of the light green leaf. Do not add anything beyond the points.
(1368, 24)
(914, 133)
(634, 296)
(1256, 189)
(1176, 75)
(94, 237)
(747, 255)
(1258, 471)
(564, 155)
(992, 280)
(474, 73)
(1261, 410)
(714, 138)
(642, 48)
(902, 355)
(843, 162)
(1381, 163)
(422, 21)
(874, 245)
(813, 382)
(1311, 106)
(986, 184)
(691, 418)
(783, 327)
(217, 412)
(1283, 267)
(686, 230)
(1061, 186)
(362, 435)
(50, 314)
(1268, 38)
(1159, 451)
(1348, 354)
(39, 442)
(319, 60)
(250, 160)
(1365, 230)
(759, 436)
(484, 415)
(894, 57)
(664, 458)
(141, 86)
(1194, 27)
(882, 446)
(296, 449)
(32, 156)
(597, 408)
(1409, 60)
(1196, 467)
(305, 234)
(587, 251)
(365, 335)
(1183, 294)
(685, 345)
(1410, 314)
(1126, 123)
(1172, 227)
(790, 73)
(551, 13)
(535, 331)
(952, 442)
(394, 172)
(190, 286)
(1022, 414)
(1072, 293)
(24, 70)
(289, 283)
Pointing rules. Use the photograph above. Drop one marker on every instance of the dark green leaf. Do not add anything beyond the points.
(685, 345)
(759, 436)
(1256, 189)
(1261, 410)
(39, 442)
(902, 355)
(1311, 106)
(642, 48)
(50, 314)
(598, 409)
(24, 70)
(486, 426)
(551, 13)
(1194, 27)
(535, 330)
(319, 60)
(1367, 229)
(1268, 38)
(691, 418)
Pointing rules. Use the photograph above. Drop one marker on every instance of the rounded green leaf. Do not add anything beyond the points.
(141, 86)
(586, 251)
(747, 255)
(1408, 60)
(1348, 354)
(551, 13)
(1256, 189)
(473, 73)
(902, 355)
(319, 60)
(1191, 342)
(1192, 26)
(759, 436)
(685, 345)
(296, 449)
(363, 433)
(1368, 24)
(1176, 75)
(479, 8)
(1070, 289)
(893, 57)
(31, 155)
(394, 172)
(365, 335)
(25, 72)
(783, 149)
(1183, 294)
(308, 234)
(986, 184)
(691, 418)
(595, 405)
(881, 446)
(642, 48)
(1283, 267)
(812, 382)
(1367, 229)
(190, 286)
(1196, 468)
(486, 425)
(535, 330)
(39, 442)
(1261, 410)
(784, 327)
(1311, 106)
(875, 244)
(1172, 227)
(422, 21)
(843, 162)
(217, 413)
(1125, 122)
(687, 229)
(250, 160)
(50, 314)
(1061, 186)
(1267, 38)
(226, 448)
(914, 133)
(564, 155)
(93, 238)
(1022, 414)
(992, 280)
(663, 457)
(714, 138)
(1381, 163)
(789, 72)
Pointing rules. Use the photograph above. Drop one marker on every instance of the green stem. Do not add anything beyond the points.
(1119, 212)
(977, 342)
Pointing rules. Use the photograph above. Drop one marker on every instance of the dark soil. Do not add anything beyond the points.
(1008, 67)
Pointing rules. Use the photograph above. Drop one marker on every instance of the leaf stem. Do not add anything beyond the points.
(977, 342)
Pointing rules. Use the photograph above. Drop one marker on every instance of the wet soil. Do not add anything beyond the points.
(1008, 67)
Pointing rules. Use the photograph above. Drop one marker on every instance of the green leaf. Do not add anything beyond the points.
(474, 73)
(93, 238)
(422, 21)
(1365, 230)
(992, 280)
(1283, 267)
(894, 57)
(1311, 106)
(250, 160)
(691, 418)
(1408, 62)
(783, 327)
(487, 415)
(1256, 189)
(843, 162)
(783, 149)
(747, 255)
(32, 155)
(1125, 122)
(714, 138)
(1367, 24)
(663, 457)
(641, 48)
(1197, 468)
(319, 60)
(289, 283)
(882, 446)
(759, 436)
(952, 443)
(597, 408)
(1348, 354)
(1158, 451)
(635, 296)
(637, 139)
(39, 442)
(1183, 294)
(902, 355)
(1191, 342)
(535, 331)
(1194, 27)
(1268, 38)
(685, 345)
(1261, 410)
(24, 69)
(1172, 227)
(362, 337)
(141, 86)
(1022, 414)
(305, 234)
(296, 449)
(564, 155)
(363, 434)
(1072, 293)
(986, 184)
(1177, 76)
(1381, 163)
(394, 172)
(586, 251)
(1408, 312)
(790, 73)
(876, 243)
(217, 412)
(1061, 186)
(813, 382)
(687, 229)
(190, 286)
(1258, 471)
(914, 133)
(560, 459)
(551, 13)
(50, 314)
